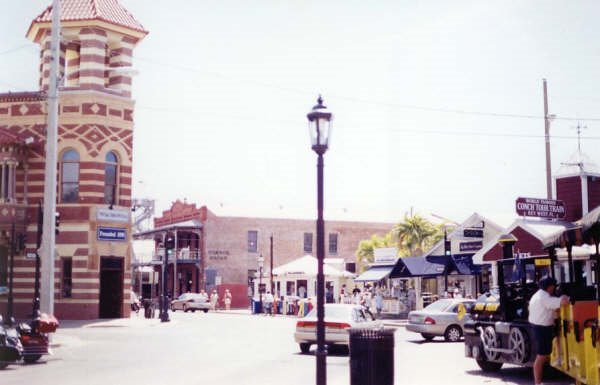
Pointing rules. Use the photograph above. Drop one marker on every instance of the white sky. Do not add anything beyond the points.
(224, 87)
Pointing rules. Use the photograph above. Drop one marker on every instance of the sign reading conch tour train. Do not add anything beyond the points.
(541, 208)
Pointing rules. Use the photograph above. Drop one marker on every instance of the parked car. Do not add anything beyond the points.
(440, 318)
(338, 319)
(190, 302)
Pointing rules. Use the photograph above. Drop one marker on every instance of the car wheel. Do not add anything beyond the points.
(205, 310)
(3, 365)
(428, 337)
(453, 333)
(304, 348)
(185, 310)
(518, 342)
(193, 310)
(173, 308)
(488, 366)
(31, 359)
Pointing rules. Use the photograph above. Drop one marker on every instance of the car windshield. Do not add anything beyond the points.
(439, 305)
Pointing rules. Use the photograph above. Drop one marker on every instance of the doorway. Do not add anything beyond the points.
(111, 287)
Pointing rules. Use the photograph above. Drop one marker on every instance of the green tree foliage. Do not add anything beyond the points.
(415, 235)
(365, 253)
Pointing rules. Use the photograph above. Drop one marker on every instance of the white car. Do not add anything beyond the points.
(441, 318)
(338, 319)
(190, 302)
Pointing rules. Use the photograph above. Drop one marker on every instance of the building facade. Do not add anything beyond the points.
(95, 140)
(212, 250)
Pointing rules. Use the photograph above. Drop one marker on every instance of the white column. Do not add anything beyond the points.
(584, 195)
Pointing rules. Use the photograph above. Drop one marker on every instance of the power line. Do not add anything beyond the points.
(11, 50)
(370, 101)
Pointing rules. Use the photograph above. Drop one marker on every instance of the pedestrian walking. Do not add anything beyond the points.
(378, 302)
(214, 299)
(542, 307)
(227, 300)
(268, 303)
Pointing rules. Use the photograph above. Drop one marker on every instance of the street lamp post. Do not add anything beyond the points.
(319, 127)
(261, 263)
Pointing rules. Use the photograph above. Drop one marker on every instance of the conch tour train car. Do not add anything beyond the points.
(498, 331)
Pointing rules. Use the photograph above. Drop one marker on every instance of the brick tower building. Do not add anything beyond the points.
(95, 137)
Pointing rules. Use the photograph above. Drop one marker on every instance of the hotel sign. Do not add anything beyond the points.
(111, 234)
(541, 208)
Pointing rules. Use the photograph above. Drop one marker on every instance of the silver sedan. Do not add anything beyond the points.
(441, 318)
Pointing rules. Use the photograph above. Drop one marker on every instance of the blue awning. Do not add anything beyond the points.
(374, 274)
(420, 266)
(463, 263)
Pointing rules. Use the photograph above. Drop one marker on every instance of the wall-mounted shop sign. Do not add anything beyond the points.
(470, 246)
(111, 234)
(109, 215)
(541, 208)
(385, 255)
(218, 254)
(473, 233)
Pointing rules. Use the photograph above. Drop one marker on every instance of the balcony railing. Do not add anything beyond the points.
(180, 254)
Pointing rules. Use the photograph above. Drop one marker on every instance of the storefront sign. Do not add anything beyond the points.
(218, 254)
(385, 255)
(470, 246)
(111, 234)
(473, 233)
(108, 215)
(541, 208)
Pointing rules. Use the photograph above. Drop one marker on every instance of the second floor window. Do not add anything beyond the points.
(110, 178)
(69, 191)
(308, 241)
(333, 243)
(252, 241)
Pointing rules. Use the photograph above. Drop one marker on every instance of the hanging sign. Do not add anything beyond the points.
(541, 208)
(473, 233)
(470, 246)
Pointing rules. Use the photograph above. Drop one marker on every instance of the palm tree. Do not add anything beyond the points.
(365, 253)
(414, 235)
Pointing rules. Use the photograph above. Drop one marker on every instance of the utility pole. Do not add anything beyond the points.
(547, 119)
(49, 235)
(272, 285)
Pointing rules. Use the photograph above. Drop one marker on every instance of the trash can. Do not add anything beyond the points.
(256, 307)
(371, 356)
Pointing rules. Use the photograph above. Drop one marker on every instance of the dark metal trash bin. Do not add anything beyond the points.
(371, 356)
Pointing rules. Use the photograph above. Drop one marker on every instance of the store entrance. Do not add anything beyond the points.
(111, 287)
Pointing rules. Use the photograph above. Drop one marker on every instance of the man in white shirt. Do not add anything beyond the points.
(542, 309)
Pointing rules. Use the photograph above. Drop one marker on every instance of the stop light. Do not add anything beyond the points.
(169, 243)
(56, 222)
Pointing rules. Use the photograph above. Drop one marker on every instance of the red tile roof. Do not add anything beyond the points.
(106, 10)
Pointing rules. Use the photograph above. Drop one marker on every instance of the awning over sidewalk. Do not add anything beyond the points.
(463, 263)
(375, 274)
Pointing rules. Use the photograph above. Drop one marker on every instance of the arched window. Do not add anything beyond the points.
(110, 178)
(69, 191)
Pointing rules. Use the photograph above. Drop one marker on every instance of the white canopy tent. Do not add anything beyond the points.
(300, 273)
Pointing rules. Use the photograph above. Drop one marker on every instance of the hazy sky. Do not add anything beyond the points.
(438, 105)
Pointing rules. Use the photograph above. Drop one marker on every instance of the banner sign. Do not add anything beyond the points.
(541, 208)
(470, 246)
(111, 234)
(473, 233)
(385, 255)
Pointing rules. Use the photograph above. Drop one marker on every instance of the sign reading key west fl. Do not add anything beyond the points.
(111, 234)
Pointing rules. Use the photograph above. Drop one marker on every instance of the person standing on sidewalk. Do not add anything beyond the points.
(268, 301)
(214, 300)
(227, 299)
(542, 310)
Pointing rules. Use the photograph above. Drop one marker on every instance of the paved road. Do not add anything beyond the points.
(229, 348)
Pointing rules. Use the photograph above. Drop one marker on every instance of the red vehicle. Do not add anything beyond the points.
(34, 336)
